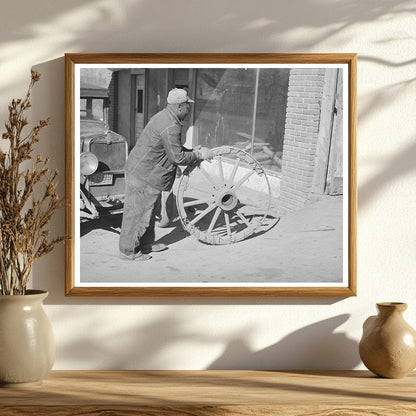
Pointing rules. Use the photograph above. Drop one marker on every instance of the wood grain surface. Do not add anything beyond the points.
(203, 393)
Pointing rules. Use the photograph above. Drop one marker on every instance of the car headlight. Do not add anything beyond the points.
(89, 163)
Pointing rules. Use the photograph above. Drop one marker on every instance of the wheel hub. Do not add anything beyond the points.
(227, 200)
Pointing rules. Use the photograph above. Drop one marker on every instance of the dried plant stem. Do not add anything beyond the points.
(23, 217)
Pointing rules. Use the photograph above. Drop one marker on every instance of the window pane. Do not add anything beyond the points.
(97, 109)
(181, 78)
(83, 107)
(224, 106)
(224, 111)
(157, 91)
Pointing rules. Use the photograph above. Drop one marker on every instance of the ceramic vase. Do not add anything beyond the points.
(27, 347)
(388, 345)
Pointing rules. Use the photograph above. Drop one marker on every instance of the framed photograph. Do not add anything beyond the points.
(211, 174)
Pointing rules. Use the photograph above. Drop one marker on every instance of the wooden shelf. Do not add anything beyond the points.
(209, 393)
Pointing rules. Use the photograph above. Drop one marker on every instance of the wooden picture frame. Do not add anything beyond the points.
(236, 105)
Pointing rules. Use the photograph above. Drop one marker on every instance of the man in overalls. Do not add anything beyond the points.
(151, 169)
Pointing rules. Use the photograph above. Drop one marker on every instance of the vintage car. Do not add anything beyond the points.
(102, 158)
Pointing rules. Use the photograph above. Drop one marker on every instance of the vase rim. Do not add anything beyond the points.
(401, 306)
(32, 293)
(35, 292)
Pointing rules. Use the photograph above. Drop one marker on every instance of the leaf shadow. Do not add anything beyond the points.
(316, 346)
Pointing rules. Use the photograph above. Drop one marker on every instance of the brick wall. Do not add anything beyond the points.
(301, 135)
(112, 93)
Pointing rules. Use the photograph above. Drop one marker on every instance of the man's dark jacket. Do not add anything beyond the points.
(159, 151)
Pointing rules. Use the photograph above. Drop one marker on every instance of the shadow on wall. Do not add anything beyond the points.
(48, 100)
(144, 347)
(129, 25)
(393, 169)
(132, 19)
(314, 347)
(152, 345)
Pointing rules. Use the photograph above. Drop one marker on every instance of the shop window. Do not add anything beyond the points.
(244, 108)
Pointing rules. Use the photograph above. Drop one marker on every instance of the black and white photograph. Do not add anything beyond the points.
(234, 175)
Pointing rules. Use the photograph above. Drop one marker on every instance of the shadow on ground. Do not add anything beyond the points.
(110, 223)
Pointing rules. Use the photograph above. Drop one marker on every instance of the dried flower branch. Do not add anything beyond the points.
(23, 217)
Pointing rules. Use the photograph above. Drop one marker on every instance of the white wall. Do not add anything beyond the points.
(198, 333)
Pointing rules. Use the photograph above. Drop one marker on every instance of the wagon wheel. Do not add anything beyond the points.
(224, 201)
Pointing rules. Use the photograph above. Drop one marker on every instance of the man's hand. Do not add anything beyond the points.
(204, 153)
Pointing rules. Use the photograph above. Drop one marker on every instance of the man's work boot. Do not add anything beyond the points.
(140, 256)
(154, 248)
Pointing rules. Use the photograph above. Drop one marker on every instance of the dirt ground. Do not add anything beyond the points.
(306, 246)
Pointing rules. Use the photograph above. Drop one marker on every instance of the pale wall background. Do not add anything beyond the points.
(200, 333)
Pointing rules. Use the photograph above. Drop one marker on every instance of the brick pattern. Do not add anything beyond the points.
(113, 95)
(301, 135)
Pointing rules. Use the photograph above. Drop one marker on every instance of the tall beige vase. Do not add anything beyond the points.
(27, 347)
(388, 345)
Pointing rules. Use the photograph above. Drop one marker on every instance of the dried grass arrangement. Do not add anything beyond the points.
(28, 199)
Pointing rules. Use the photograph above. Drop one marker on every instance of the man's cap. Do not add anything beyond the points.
(178, 96)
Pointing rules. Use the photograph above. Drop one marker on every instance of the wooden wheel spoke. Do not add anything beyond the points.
(203, 213)
(214, 220)
(227, 223)
(242, 180)
(235, 167)
(196, 202)
(207, 177)
(243, 218)
(221, 170)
